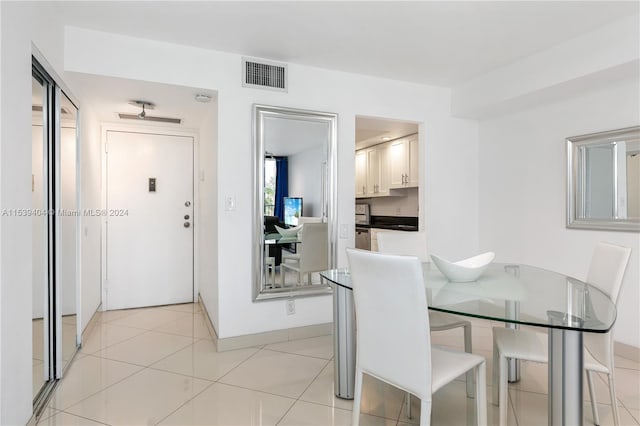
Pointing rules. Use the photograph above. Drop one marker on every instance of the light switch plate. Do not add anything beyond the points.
(230, 203)
(344, 231)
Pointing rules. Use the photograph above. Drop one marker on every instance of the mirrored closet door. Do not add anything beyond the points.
(55, 238)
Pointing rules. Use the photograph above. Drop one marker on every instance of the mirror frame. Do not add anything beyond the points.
(260, 112)
(573, 145)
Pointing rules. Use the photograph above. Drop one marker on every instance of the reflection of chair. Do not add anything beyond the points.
(605, 272)
(393, 341)
(312, 253)
(415, 244)
(274, 251)
(301, 221)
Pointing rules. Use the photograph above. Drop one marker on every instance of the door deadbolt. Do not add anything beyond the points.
(186, 217)
(187, 224)
(187, 204)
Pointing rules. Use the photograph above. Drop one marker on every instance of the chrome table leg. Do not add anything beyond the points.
(344, 342)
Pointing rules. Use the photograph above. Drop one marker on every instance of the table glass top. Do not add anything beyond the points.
(276, 238)
(514, 293)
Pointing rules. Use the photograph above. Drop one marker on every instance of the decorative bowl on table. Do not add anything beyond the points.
(465, 270)
(288, 232)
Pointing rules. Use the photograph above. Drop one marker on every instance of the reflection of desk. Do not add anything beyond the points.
(542, 298)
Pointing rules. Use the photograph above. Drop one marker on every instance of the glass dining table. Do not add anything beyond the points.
(510, 293)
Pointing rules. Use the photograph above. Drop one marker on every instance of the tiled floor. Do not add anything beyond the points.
(160, 366)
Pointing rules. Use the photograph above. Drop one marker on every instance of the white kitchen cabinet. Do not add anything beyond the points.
(377, 171)
(403, 162)
(372, 172)
(361, 173)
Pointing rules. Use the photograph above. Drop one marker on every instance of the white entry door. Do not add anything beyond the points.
(149, 230)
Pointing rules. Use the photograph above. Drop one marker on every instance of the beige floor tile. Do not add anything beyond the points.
(37, 336)
(307, 414)
(37, 376)
(628, 387)
(150, 318)
(144, 398)
(46, 413)
(184, 307)
(453, 338)
(108, 316)
(635, 414)
(321, 391)
(146, 348)
(380, 399)
(225, 405)
(193, 325)
(203, 361)
(621, 362)
(319, 347)
(106, 334)
(276, 372)
(87, 376)
(67, 419)
(452, 407)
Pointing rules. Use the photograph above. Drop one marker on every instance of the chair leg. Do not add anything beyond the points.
(592, 396)
(503, 391)
(496, 375)
(357, 396)
(481, 394)
(408, 402)
(468, 349)
(282, 273)
(425, 413)
(614, 399)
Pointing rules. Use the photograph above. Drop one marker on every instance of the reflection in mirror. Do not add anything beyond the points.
(294, 184)
(604, 180)
(39, 237)
(68, 224)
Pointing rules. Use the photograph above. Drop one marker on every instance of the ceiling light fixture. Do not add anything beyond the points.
(386, 138)
(145, 105)
(202, 97)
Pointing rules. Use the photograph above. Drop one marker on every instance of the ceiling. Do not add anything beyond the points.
(285, 137)
(372, 131)
(441, 43)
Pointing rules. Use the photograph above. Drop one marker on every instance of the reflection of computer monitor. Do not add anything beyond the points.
(292, 210)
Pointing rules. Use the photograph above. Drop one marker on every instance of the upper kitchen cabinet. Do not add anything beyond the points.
(403, 162)
(361, 173)
(372, 171)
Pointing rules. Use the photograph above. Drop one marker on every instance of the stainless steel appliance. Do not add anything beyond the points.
(363, 235)
(362, 214)
(363, 238)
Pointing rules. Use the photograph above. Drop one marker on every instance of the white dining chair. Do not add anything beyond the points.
(606, 272)
(415, 244)
(312, 256)
(301, 221)
(393, 340)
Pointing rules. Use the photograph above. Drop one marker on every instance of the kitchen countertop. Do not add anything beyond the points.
(398, 223)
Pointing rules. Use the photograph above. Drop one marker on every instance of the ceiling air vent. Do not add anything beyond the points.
(263, 74)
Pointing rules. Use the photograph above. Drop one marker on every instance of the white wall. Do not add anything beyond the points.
(90, 186)
(346, 94)
(207, 203)
(522, 190)
(21, 24)
(305, 179)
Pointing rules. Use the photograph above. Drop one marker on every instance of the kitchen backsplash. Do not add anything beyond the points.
(394, 206)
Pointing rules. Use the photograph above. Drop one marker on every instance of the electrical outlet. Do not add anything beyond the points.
(291, 307)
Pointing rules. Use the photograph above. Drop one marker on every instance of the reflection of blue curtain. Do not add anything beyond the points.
(282, 186)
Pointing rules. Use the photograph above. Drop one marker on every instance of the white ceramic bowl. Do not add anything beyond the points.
(288, 232)
(464, 270)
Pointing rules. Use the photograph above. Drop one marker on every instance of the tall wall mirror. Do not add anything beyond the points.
(603, 180)
(295, 201)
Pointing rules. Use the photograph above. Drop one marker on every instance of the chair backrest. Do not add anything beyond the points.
(314, 248)
(606, 272)
(393, 342)
(404, 243)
